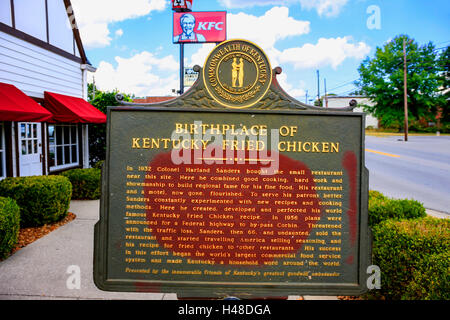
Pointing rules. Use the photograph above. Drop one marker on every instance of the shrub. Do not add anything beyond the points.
(411, 254)
(42, 199)
(431, 280)
(382, 208)
(9, 225)
(85, 183)
(445, 128)
(98, 164)
(375, 195)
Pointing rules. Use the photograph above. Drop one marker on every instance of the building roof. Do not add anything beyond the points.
(76, 31)
(346, 97)
(152, 99)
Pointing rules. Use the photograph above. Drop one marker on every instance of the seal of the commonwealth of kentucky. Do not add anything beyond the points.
(237, 74)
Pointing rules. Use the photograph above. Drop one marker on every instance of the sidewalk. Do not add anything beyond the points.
(39, 271)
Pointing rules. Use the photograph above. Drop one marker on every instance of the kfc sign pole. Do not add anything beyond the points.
(196, 27)
(182, 6)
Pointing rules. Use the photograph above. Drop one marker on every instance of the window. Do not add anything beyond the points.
(2, 152)
(63, 146)
(29, 138)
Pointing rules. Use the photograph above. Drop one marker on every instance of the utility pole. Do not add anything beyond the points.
(405, 93)
(318, 87)
(325, 88)
(306, 97)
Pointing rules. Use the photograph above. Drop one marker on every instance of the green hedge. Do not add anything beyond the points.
(413, 256)
(86, 183)
(9, 225)
(42, 199)
(382, 208)
(376, 195)
(431, 280)
(98, 164)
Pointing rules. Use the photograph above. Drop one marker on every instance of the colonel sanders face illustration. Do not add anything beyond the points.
(187, 22)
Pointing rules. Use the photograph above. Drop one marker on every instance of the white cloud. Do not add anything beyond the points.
(266, 30)
(294, 91)
(250, 3)
(93, 17)
(119, 33)
(95, 35)
(143, 74)
(328, 8)
(200, 56)
(275, 25)
(327, 52)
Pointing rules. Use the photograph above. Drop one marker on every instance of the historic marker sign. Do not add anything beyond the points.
(234, 188)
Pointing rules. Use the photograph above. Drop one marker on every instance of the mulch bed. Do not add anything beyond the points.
(349, 298)
(29, 235)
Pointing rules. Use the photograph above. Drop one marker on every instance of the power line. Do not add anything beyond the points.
(442, 42)
(342, 85)
(352, 81)
(346, 92)
(437, 49)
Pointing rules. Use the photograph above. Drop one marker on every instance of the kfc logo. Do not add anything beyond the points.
(198, 27)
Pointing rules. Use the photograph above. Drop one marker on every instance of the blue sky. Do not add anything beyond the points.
(130, 42)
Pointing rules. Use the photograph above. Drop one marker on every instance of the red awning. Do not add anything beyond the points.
(17, 106)
(72, 110)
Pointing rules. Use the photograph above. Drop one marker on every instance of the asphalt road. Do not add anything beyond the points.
(418, 169)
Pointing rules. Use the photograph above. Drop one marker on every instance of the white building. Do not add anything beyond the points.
(44, 115)
(344, 101)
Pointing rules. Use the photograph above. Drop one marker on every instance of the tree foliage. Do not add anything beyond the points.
(444, 63)
(97, 132)
(382, 80)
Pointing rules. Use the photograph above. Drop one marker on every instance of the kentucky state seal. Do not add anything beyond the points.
(237, 74)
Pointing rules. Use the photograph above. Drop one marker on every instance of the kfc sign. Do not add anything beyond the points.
(182, 5)
(199, 27)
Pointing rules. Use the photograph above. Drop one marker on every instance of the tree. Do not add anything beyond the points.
(97, 132)
(381, 79)
(444, 62)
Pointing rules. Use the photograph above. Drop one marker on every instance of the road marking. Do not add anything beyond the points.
(383, 153)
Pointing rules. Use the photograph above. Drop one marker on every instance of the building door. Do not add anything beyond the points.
(30, 149)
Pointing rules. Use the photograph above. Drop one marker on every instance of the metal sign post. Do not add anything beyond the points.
(196, 27)
(182, 6)
(181, 68)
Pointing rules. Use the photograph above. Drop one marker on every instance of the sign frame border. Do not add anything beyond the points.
(244, 289)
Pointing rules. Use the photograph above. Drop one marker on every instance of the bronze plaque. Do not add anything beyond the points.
(203, 199)
(237, 74)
